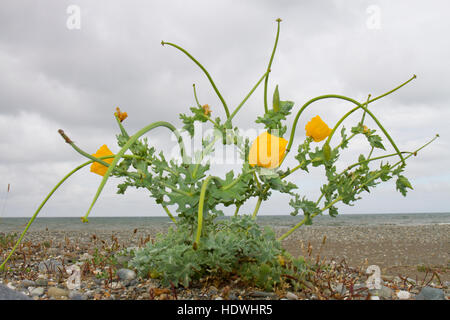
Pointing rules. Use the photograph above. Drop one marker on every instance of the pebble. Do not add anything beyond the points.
(75, 295)
(403, 295)
(10, 294)
(126, 274)
(57, 292)
(115, 285)
(11, 286)
(27, 283)
(261, 294)
(384, 292)
(213, 290)
(291, 296)
(36, 292)
(41, 282)
(430, 293)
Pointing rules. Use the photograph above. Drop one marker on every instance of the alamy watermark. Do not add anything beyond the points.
(73, 21)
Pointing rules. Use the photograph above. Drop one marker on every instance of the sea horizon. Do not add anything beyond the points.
(9, 224)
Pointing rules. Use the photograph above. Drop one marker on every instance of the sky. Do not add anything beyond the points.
(68, 65)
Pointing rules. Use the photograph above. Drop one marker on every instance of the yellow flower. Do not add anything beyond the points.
(121, 115)
(317, 129)
(206, 110)
(267, 151)
(366, 130)
(97, 167)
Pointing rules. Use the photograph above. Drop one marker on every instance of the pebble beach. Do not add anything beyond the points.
(414, 262)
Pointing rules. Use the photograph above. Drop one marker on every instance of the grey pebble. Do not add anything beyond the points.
(41, 282)
(27, 283)
(383, 292)
(291, 296)
(430, 293)
(126, 274)
(262, 294)
(75, 295)
(232, 296)
(10, 294)
(37, 292)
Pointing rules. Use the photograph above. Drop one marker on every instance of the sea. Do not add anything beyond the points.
(126, 223)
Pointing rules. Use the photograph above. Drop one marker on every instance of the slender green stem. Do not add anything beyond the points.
(395, 89)
(370, 153)
(42, 205)
(200, 210)
(195, 96)
(122, 129)
(125, 148)
(285, 235)
(293, 170)
(169, 214)
(373, 159)
(346, 140)
(206, 73)
(257, 180)
(237, 210)
(200, 106)
(266, 108)
(248, 95)
(233, 183)
(258, 204)
(176, 190)
(364, 113)
(80, 151)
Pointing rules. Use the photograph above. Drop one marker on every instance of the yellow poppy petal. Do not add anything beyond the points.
(98, 168)
(317, 129)
(267, 151)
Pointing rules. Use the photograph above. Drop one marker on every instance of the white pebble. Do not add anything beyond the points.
(291, 296)
(403, 295)
(9, 285)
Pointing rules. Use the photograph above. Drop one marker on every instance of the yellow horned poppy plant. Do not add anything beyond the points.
(97, 167)
(267, 151)
(317, 129)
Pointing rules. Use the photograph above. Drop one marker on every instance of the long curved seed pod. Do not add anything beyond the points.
(200, 211)
(122, 151)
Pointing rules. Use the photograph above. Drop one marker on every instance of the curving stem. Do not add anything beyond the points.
(266, 108)
(42, 205)
(122, 151)
(200, 211)
(206, 73)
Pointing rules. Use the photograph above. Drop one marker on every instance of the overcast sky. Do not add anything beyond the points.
(52, 77)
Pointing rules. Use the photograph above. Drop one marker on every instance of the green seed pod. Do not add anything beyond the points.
(276, 100)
